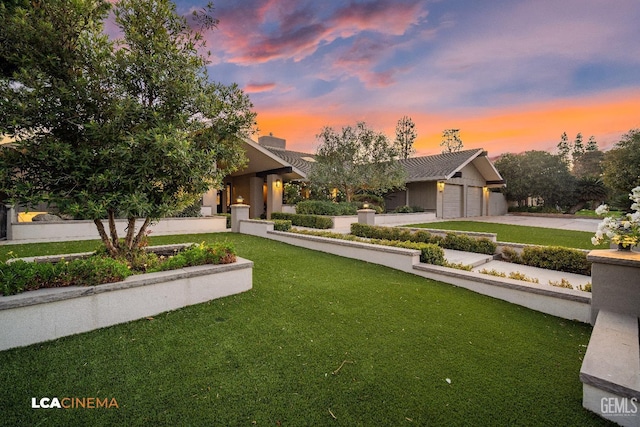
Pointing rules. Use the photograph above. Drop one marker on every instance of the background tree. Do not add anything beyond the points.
(405, 137)
(589, 164)
(564, 148)
(622, 167)
(588, 189)
(134, 129)
(537, 174)
(451, 141)
(578, 149)
(356, 159)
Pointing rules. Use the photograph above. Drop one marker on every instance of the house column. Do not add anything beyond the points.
(274, 194)
(12, 217)
(256, 198)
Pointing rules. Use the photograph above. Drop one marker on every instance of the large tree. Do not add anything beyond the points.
(405, 137)
(537, 174)
(356, 158)
(622, 165)
(130, 128)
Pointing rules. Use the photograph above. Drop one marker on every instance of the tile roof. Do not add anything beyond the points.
(294, 158)
(439, 166)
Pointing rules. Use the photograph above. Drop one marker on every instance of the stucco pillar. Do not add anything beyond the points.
(12, 216)
(239, 212)
(274, 194)
(366, 216)
(615, 277)
(256, 197)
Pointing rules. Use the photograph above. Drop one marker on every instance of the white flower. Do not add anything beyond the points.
(602, 210)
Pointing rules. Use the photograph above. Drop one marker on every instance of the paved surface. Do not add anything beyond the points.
(577, 224)
(543, 275)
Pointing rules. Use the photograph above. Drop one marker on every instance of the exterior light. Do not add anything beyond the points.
(240, 200)
(365, 206)
(440, 186)
(278, 183)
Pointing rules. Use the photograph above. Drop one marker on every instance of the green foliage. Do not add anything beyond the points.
(536, 174)
(282, 224)
(622, 167)
(192, 211)
(356, 159)
(459, 242)
(114, 128)
(326, 207)
(451, 141)
(552, 258)
(311, 221)
(405, 137)
(19, 276)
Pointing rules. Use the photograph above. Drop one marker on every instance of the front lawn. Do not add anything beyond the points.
(521, 233)
(320, 340)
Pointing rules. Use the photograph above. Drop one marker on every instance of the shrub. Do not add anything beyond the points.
(557, 258)
(326, 207)
(282, 224)
(22, 276)
(432, 254)
(459, 242)
(311, 221)
(403, 209)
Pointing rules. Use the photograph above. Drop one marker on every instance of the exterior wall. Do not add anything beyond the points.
(86, 230)
(497, 204)
(395, 199)
(47, 314)
(423, 194)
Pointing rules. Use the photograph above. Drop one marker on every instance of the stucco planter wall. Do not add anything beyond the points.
(47, 314)
(86, 230)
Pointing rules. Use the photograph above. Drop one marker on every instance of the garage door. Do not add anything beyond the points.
(452, 201)
(474, 201)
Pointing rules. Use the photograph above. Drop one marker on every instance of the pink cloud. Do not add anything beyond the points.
(259, 87)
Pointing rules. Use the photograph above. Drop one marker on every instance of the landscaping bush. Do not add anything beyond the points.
(282, 224)
(557, 258)
(326, 207)
(311, 221)
(458, 242)
(19, 276)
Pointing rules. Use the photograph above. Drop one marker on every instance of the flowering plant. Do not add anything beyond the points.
(623, 230)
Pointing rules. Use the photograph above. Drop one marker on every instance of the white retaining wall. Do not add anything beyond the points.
(47, 314)
(86, 230)
(565, 303)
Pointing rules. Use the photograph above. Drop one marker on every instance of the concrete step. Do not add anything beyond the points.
(466, 258)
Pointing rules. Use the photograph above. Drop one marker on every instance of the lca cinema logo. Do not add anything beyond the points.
(73, 403)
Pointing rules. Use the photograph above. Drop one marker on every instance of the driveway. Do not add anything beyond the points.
(569, 223)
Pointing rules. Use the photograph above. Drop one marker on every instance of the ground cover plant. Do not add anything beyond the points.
(320, 340)
(520, 233)
(100, 268)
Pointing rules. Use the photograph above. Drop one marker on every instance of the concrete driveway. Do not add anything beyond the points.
(569, 223)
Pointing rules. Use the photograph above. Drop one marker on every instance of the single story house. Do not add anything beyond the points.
(453, 185)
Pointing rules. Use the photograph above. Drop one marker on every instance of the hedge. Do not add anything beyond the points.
(311, 221)
(282, 224)
(458, 242)
(551, 257)
(326, 207)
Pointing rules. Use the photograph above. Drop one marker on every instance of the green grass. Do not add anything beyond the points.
(521, 234)
(318, 335)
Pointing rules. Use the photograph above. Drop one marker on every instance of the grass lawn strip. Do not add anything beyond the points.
(320, 340)
(520, 233)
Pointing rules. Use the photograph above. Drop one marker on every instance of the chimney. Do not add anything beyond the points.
(273, 142)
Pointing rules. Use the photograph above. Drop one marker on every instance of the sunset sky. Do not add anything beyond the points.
(512, 75)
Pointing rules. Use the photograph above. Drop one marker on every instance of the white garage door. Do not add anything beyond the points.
(474, 201)
(452, 201)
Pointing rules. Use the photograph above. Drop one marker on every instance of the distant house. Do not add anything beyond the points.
(452, 185)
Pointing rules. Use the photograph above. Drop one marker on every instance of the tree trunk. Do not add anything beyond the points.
(577, 207)
(142, 232)
(105, 238)
(131, 229)
(113, 230)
